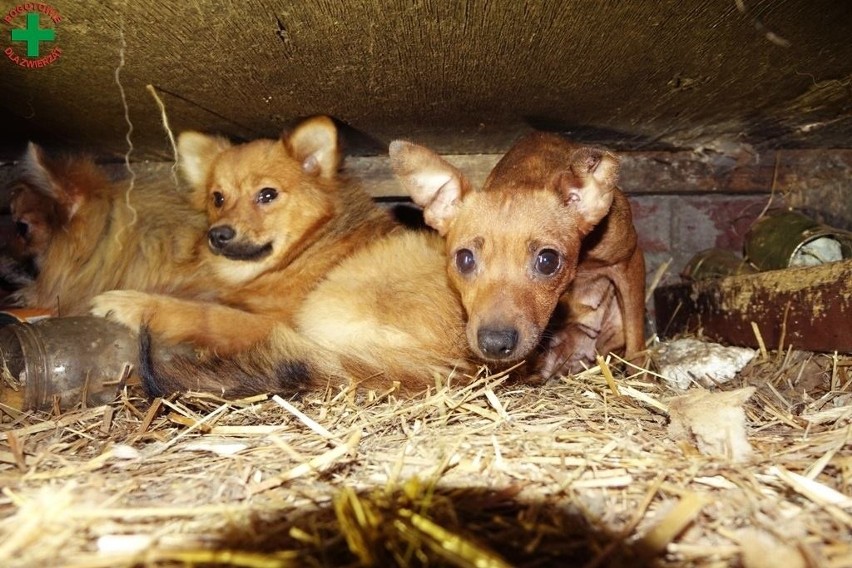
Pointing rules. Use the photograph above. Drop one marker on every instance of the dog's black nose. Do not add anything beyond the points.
(220, 236)
(497, 343)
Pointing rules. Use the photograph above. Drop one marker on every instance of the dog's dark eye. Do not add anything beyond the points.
(547, 262)
(465, 261)
(218, 199)
(266, 194)
(22, 228)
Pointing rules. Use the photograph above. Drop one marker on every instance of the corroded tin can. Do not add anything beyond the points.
(784, 238)
(716, 263)
(72, 359)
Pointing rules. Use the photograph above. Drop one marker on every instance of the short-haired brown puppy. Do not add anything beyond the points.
(548, 230)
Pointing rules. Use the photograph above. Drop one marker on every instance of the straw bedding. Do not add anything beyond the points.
(581, 472)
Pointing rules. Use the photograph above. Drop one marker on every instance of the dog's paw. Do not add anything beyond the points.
(569, 351)
(128, 307)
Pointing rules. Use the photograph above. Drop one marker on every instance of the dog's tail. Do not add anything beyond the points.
(288, 363)
(284, 364)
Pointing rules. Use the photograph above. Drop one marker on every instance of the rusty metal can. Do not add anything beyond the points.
(784, 238)
(716, 263)
(72, 360)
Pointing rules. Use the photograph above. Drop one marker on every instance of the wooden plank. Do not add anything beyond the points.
(662, 172)
(793, 172)
(808, 308)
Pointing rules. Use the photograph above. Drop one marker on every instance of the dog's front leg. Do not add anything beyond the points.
(629, 279)
(174, 320)
(589, 305)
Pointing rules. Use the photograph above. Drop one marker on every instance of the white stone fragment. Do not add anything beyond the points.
(684, 362)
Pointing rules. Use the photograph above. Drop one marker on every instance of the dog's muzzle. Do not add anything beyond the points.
(222, 240)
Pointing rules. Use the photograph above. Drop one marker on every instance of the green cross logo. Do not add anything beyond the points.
(33, 34)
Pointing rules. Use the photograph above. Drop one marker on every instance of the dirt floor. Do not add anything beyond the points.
(589, 470)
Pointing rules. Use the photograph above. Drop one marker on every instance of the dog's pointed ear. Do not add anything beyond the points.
(314, 144)
(36, 171)
(196, 152)
(46, 177)
(587, 185)
(433, 183)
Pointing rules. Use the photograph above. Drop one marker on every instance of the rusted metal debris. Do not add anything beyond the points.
(806, 308)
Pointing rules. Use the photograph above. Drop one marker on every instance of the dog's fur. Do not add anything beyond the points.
(85, 234)
(279, 220)
(392, 312)
(549, 218)
(386, 314)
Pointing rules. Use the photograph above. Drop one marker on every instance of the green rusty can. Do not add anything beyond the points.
(784, 238)
(716, 263)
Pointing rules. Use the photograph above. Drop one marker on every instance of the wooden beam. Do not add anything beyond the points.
(661, 172)
(809, 308)
(642, 173)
